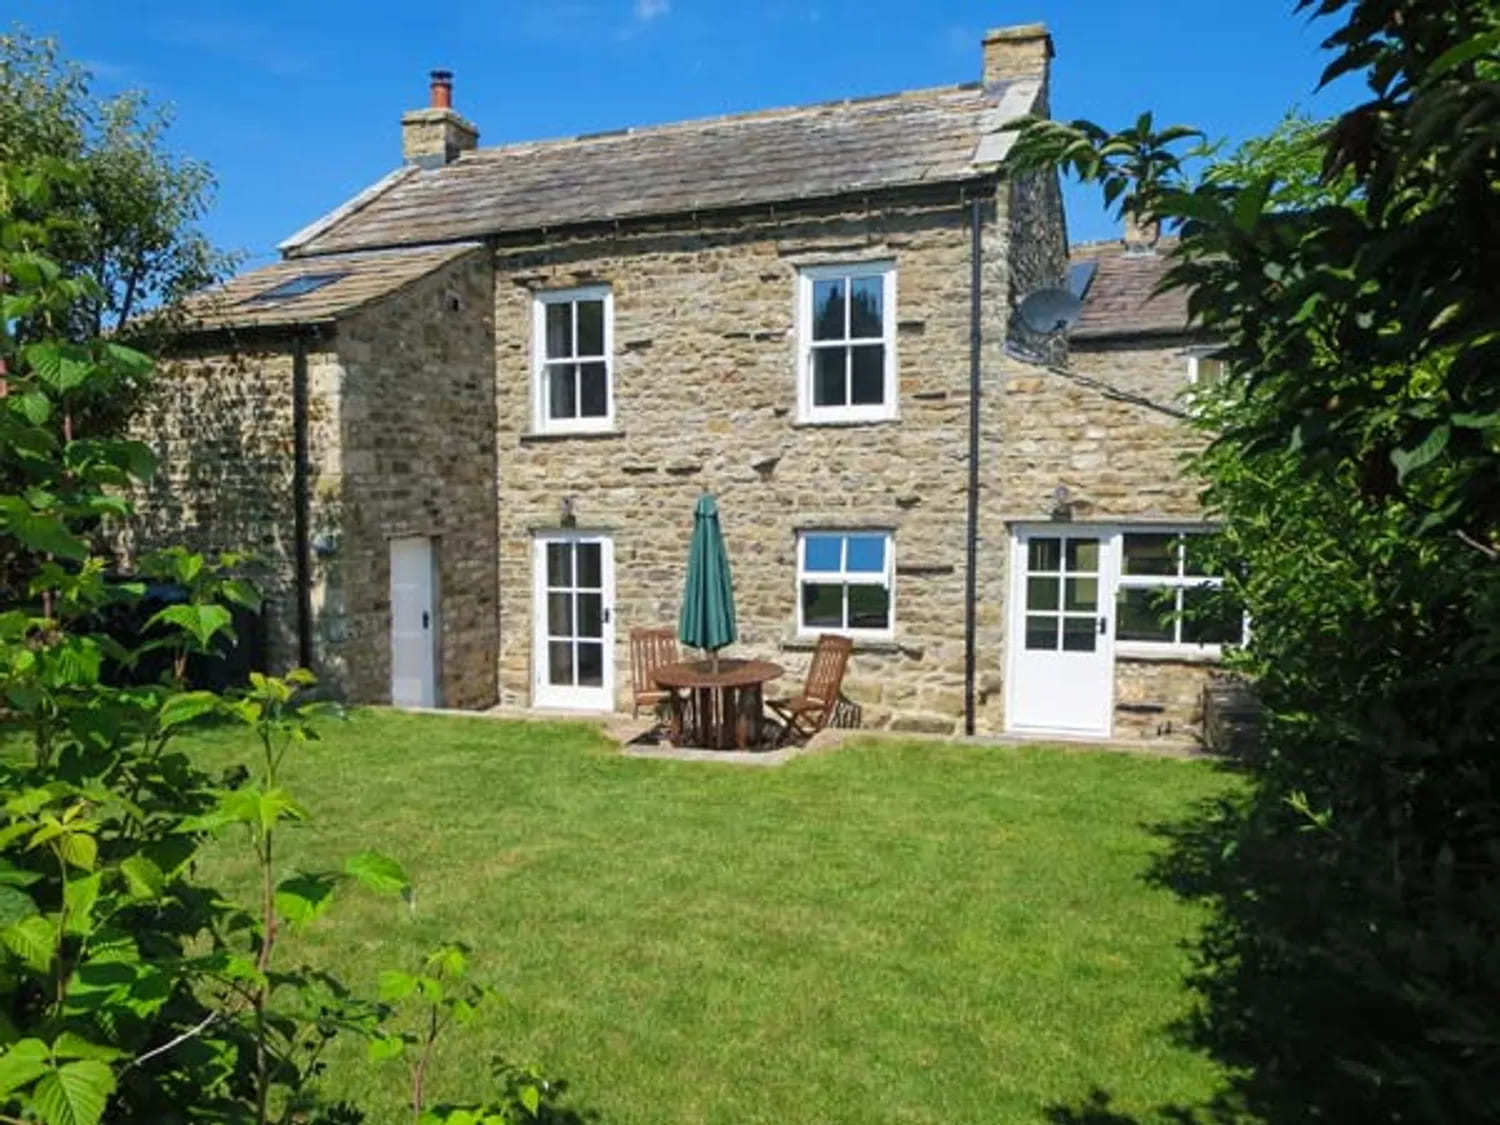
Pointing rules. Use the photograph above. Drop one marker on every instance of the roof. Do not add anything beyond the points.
(1121, 301)
(947, 134)
(340, 283)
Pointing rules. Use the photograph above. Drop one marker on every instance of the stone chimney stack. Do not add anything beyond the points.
(1023, 51)
(435, 136)
(1141, 237)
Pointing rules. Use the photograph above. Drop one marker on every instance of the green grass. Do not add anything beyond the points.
(884, 933)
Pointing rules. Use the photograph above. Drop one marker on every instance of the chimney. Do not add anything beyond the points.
(435, 136)
(1141, 237)
(1023, 51)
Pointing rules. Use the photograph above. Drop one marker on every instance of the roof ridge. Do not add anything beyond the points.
(475, 156)
(324, 223)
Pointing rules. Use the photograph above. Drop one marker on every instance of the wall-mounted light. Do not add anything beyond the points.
(325, 543)
(567, 518)
(1062, 503)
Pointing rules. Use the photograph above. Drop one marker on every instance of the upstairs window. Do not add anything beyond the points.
(844, 583)
(1166, 599)
(847, 357)
(573, 338)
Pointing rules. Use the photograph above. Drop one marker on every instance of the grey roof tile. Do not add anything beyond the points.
(1122, 300)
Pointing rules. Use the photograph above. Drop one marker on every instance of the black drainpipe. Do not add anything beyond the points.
(971, 574)
(300, 506)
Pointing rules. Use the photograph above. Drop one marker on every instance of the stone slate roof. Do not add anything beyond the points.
(1120, 301)
(366, 277)
(920, 137)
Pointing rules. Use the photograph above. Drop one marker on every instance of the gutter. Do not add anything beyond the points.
(301, 508)
(971, 533)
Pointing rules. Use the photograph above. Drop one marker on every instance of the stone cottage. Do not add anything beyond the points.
(464, 421)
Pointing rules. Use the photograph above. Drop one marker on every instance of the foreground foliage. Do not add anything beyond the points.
(130, 990)
(1350, 272)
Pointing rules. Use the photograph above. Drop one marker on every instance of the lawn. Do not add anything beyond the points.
(884, 933)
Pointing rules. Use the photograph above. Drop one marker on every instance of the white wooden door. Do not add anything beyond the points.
(414, 624)
(573, 621)
(1061, 663)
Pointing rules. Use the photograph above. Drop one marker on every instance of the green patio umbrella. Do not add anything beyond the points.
(707, 619)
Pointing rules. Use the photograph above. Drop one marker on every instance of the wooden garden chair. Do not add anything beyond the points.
(649, 650)
(803, 716)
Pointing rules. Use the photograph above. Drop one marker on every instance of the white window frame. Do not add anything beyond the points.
(845, 577)
(541, 423)
(1195, 369)
(1179, 581)
(886, 409)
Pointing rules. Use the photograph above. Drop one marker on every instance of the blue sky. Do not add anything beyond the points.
(295, 103)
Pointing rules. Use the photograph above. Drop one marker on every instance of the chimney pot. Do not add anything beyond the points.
(441, 89)
(436, 135)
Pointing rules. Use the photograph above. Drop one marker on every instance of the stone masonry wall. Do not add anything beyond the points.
(705, 385)
(219, 419)
(1121, 463)
(415, 456)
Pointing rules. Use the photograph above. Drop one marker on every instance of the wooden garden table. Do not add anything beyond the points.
(726, 704)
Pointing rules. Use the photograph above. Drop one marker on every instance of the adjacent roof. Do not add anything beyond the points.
(952, 133)
(244, 301)
(1121, 301)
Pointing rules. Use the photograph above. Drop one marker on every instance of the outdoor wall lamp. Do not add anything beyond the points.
(1062, 503)
(566, 517)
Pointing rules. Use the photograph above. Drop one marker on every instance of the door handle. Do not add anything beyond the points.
(606, 615)
(1103, 626)
(426, 620)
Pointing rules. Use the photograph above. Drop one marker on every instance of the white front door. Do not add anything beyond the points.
(573, 651)
(414, 624)
(1061, 647)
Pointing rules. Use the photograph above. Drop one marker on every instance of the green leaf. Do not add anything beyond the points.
(396, 985)
(15, 904)
(1408, 461)
(61, 366)
(144, 878)
(32, 940)
(80, 850)
(185, 707)
(1466, 51)
(277, 804)
(80, 896)
(241, 593)
(386, 1047)
(36, 406)
(530, 1098)
(24, 1062)
(202, 622)
(378, 872)
(70, 1046)
(305, 898)
(75, 1094)
(1475, 421)
(45, 534)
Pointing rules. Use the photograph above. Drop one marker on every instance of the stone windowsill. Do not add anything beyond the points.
(535, 438)
(842, 423)
(1145, 655)
(795, 643)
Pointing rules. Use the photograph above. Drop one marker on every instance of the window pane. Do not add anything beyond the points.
(866, 554)
(588, 566)
(1079, 634)
(1081, 595)
(1041, 632)
(866, 306)
(560, 662)
(1151, 554)
(1195, 561)
(590, 615)
(1211, 617)
(559, 329)
(559, 564)
(590, 327)
(822, 605)
(828, 309)
(869, 607)
(562, 402)
(867, 385)
(823, 552)
(828, 376)
(590, 664)
(1041, 593)
(1083, 555)
(1043, 554)
(560, 615)
(1145, 614)
(593, 391)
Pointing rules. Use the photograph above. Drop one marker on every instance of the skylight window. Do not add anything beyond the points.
(296, 287)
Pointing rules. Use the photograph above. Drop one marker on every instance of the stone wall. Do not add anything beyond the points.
(219, 420)
(1160, 698)
(415, 456)
(705, 398)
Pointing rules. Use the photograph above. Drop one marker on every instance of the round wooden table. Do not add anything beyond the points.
(725, 705)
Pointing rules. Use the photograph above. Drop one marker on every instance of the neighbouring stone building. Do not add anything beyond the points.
(464, 421)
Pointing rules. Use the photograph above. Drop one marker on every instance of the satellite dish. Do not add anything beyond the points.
(1050, 311)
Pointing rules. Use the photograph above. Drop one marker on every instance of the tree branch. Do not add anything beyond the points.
(1488, 552)
(197, 1029)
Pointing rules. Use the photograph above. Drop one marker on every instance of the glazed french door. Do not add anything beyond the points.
(573, 626)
